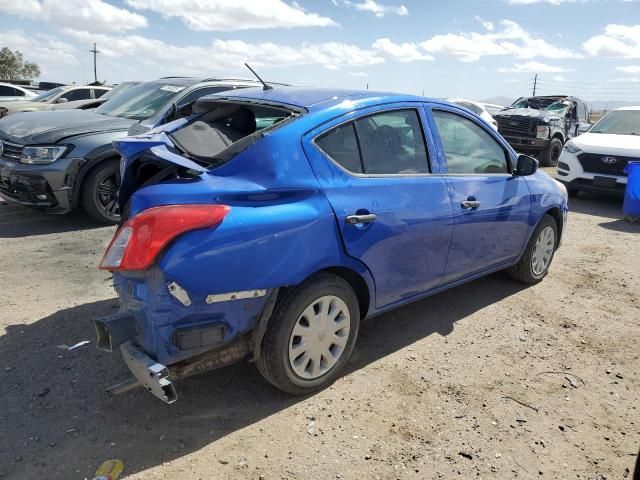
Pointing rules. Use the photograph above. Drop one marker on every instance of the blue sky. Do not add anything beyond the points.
(475, 49)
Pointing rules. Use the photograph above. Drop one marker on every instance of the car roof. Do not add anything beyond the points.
(187, 81)
(314, 98)
(632, 107)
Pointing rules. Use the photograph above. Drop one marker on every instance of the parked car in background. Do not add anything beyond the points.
(57, 161)
(595, 161)
(93, 102)
(9, 91)
(267, 225)
(64, 94)
(541, 125)
(492, 108)
(477, 108)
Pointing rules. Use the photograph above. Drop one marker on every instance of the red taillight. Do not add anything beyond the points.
(137, 243)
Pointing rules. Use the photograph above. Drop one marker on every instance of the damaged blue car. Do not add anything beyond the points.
(269, 223)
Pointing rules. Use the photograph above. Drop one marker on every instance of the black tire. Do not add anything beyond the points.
(550, 156)
(273, 362)
(523, 270)
(99, 192)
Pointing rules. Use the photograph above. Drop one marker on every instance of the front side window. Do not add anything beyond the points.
(98, 92)
(469, 149)
(9, 91)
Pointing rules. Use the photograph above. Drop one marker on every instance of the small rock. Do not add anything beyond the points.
(223, 462)
(619, 375)
(367, 457)
(498, 455)
(561, 428)
(466, 455)
(608, 370)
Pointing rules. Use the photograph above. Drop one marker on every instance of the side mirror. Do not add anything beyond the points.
(526, 166)
(62, 100)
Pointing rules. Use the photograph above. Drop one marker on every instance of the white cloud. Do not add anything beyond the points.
(403, 52)
(230, 15)
(359, 74)
(629, 69)
(533, 67)
(510, 39)
(93, 15)
(559, 78)
(229, 55)
(39, 48)
(617, 41)
(376, 8)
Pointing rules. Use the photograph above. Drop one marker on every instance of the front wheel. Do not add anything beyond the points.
(536, 260)
(100, 192)
(550, 156)
(311, 335)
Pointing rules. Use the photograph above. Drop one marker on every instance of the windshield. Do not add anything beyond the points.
(140, 102)
(619, 122)
(534, 102)
(118, 89)
(558, 107)
(43, 97)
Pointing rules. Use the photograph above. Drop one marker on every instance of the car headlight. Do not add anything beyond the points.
(42, 154)
(570, 147)
(542, 131)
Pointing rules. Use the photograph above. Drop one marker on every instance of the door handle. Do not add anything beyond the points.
(355, 219)
(470, 204)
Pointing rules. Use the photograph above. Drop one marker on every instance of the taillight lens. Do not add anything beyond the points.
(139, 241)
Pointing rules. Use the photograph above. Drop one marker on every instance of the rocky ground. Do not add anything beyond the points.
(488, 380)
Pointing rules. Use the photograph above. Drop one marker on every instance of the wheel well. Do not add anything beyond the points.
(82, 174)
(559, 136)
(556, 214)
(357, 283)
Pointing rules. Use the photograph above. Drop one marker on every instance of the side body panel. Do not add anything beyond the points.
(405, 248)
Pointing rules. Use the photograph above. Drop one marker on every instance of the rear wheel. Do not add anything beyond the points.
(536, 260)
(100, 192)
(311, 335)
(550, 156)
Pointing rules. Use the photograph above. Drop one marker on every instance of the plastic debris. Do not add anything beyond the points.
(109, 470)
(73, 347)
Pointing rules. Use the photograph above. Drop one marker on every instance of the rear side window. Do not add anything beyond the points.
(98, 92)
(386, 143)
(341, 145)
(9, 92)
(78, 94)
(469, 149)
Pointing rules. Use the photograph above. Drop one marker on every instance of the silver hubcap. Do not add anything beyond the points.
(543, 251)
(319, 337)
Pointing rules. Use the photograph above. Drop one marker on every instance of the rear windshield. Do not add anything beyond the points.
(140, 102)
(218, 135)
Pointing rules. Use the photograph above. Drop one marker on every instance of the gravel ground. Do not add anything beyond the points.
(488, 380)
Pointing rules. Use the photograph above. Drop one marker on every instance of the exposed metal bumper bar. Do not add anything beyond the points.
(149, 373)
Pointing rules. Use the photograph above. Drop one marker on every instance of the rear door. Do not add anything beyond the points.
(394, 214)
(490, 205)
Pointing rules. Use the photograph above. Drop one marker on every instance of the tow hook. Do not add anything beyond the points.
(148, 373)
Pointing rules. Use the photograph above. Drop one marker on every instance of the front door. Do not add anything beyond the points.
(393, 214)
(490, 205)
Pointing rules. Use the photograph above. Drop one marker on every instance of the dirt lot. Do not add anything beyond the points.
(489, 380)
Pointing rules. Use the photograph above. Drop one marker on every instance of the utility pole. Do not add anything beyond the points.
(535, 83)
(95, 51)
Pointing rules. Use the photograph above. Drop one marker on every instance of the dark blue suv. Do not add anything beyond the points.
(269, 223)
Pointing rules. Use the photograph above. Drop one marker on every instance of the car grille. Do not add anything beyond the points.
(11, 151)
(593, 163)
(517, 126)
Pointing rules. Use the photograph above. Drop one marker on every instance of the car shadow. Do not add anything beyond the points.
(57, 421)
(606, 206)
(17, 221)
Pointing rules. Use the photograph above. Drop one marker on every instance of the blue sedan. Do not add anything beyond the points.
(269, 223)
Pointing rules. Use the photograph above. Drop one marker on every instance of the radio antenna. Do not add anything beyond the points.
(264, 84)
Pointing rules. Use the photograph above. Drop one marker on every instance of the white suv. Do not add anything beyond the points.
(595, 161)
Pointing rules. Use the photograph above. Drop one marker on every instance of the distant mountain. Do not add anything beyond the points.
(609, 104)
